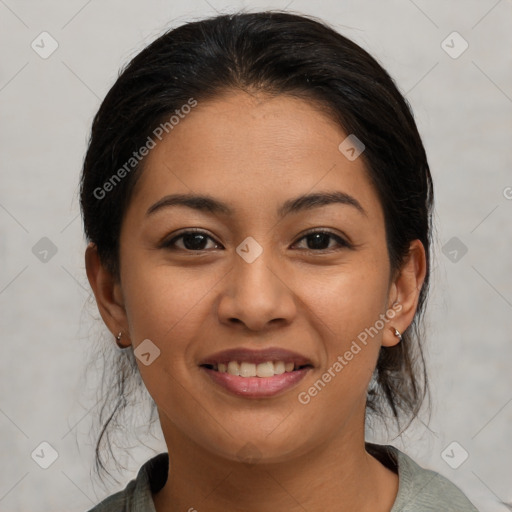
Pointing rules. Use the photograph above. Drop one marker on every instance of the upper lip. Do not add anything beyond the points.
(256, 356)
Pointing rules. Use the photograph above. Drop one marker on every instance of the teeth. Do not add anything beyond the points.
(247, 370)
(279, 367)
(266, 369)
(233, 368)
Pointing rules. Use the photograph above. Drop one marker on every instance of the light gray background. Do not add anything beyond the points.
(463, 108)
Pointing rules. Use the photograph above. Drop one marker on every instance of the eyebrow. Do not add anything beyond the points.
(298, 204)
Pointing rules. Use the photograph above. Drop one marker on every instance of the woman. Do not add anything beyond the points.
(257, 202)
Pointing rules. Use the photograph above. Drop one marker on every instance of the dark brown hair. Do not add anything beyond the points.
(275, 53)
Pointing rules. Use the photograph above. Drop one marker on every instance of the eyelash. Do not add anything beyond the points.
(343, 244)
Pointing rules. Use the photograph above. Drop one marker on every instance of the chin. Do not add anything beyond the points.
(256, 447)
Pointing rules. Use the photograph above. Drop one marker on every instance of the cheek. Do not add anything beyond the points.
(163, 303)
(167, 306)
(347, 307)
(347, 301)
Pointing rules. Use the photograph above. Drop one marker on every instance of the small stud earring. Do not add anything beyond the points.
(397, 333)
(118, 338)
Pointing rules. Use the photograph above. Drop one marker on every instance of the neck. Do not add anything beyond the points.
(338, 475)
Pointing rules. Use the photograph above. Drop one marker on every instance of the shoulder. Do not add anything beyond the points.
(421, 489)
(137, 496)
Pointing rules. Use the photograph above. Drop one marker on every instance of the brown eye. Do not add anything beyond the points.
(320, 241)
(190, 241)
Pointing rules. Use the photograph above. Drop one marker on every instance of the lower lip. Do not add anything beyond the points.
(256, 387)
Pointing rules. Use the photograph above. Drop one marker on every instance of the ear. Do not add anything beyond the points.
(108, 293)
(404, 293)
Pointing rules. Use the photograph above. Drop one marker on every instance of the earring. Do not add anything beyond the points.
(118, 338)
(397, 333)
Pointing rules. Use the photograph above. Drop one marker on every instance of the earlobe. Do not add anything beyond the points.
(107, 292)
(405, 292)
(392, 337)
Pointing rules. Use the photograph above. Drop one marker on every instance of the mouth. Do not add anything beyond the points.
(256, 374)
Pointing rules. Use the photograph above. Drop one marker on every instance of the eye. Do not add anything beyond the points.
(192, 240)
(320, 241)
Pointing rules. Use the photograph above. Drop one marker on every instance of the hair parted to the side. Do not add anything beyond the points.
(276, 53)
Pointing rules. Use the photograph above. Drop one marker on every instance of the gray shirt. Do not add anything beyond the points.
(419, 489)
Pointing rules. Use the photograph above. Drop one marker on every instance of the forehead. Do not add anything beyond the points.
(242, 147)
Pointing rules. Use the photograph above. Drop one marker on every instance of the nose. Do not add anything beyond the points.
(256, 295)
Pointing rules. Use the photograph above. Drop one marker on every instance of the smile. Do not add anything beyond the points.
(250, 373)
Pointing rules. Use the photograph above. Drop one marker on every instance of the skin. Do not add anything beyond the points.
(254, 152)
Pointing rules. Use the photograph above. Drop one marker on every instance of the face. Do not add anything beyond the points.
(258, 272)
